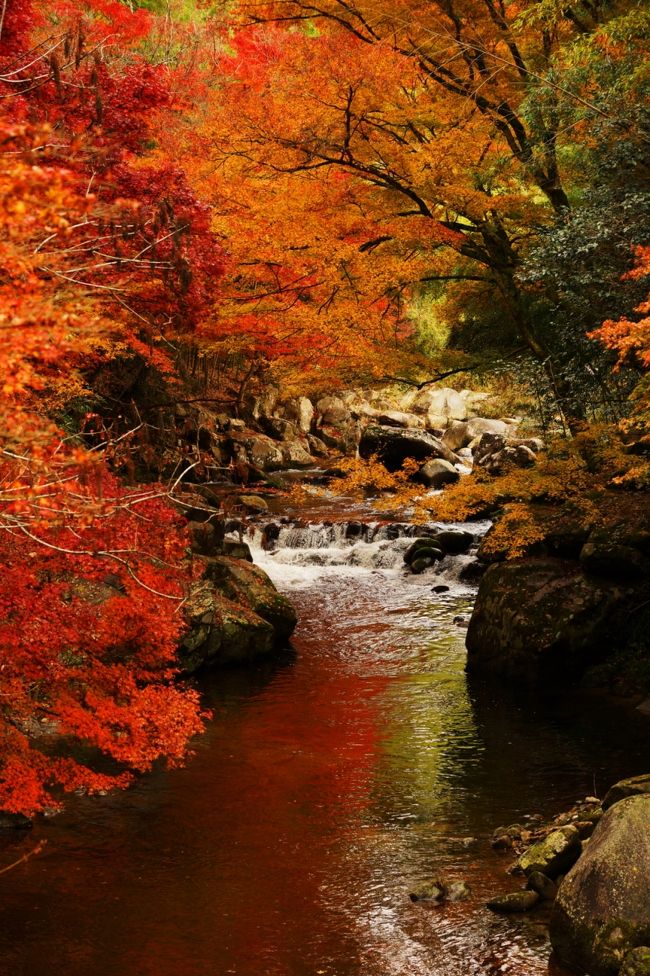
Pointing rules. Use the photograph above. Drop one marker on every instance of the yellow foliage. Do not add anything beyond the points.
(574, 474)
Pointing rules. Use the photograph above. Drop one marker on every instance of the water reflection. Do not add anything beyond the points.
(326, 787)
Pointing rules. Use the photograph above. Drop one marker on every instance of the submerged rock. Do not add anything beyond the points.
(458, 891)
(439, 890)
(602, 910)
(431, 891)
(515, 901)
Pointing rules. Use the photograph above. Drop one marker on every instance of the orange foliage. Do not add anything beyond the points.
(98, 255)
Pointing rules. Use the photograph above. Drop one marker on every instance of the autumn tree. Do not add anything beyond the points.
(104, 254)
(366, 154)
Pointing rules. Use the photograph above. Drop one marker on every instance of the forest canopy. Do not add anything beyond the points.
(327, 191)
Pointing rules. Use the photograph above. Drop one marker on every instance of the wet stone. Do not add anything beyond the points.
(515, 901)
(545, 887)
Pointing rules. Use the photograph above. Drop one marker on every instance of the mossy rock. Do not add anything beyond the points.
(634, 786)
(543, 621)
(553, 855)
(602, 910)
(636, 962)
(250, 586)
(413, 551)
(425, 558)
(221, 631)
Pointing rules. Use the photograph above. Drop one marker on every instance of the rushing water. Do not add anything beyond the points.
(328, 786)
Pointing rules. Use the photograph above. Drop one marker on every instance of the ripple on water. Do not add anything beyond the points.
(324, 791)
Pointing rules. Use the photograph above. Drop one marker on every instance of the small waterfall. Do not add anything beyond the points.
(296, 551)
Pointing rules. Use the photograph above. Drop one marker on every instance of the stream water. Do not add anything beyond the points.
(328, 786)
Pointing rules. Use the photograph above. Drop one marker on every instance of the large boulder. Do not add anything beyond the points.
(221, 631)
(393, 445)
(279, 428)
(483, 425)
(602, 910)
(456, 436)
(262, 451)
(633, 786)
(397, 418)
(541, 620)
(301, 411)
(617, 550)
(437, 473)
(333, 411)
(248, 584)
(234, 614)
(439, 402)
(296, 455)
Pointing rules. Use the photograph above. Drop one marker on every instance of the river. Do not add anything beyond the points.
(328, 786)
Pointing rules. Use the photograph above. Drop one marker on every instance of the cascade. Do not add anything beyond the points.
(293, 549)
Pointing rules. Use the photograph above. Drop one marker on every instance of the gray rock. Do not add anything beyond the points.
(393, 445)
(519, 456)
(262, 451)
(483, 425)
(300, 410)
(602, 910)
(397, 418)
(437, 402)
(554, 854)
(486, 447)
(633, 786)
(456, 436)
(333, 410)
(515, 901)
(438, 473)
(295, 455)
(279, 428)
(317, 446)
(237, 550)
